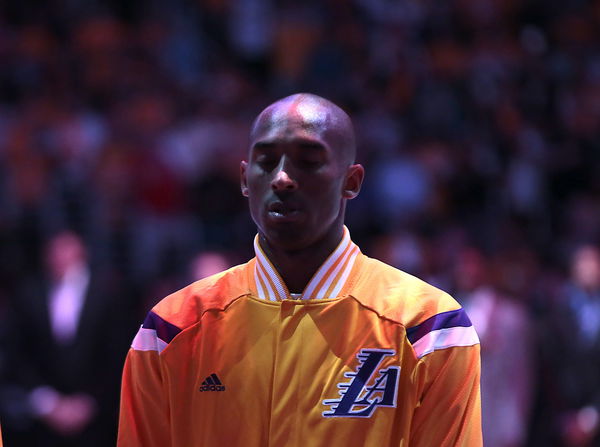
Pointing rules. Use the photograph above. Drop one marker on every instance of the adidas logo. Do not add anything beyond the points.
(212, 383)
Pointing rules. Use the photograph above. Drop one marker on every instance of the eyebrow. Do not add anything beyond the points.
(312, 145)
(262, 146)
(304, 144)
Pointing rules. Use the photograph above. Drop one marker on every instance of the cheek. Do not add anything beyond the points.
(329, 197)
(254, 202)
(257, 184)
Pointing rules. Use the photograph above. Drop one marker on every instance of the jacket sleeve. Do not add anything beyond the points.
(449, 408)
(144, 411)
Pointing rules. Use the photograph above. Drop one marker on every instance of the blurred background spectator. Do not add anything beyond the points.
(507, 356)
(208, 263)
(63, 351)
(570, 343)
(478, 122)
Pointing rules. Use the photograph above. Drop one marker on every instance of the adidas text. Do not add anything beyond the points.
(212, 388)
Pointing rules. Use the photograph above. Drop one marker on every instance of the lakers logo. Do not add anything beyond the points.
(368, 387)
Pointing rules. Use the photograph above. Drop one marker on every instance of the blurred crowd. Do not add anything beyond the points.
(122, 125)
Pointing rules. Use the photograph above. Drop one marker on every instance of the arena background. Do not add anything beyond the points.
(478, 124)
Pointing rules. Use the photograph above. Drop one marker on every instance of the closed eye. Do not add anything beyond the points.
(268, 162)
(310, 164)
(266, 155)
(311, 155)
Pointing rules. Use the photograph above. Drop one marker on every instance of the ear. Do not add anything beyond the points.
(354, 179)
(243, 180)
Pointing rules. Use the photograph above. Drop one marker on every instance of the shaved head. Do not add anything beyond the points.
(314, 113)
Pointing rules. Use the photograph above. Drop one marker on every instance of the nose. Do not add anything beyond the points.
(282, 180)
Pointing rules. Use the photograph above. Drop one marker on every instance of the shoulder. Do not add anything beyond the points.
(398, 295)
(186, 306)
(433, 320)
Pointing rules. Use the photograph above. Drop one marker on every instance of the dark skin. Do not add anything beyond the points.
(299, 174)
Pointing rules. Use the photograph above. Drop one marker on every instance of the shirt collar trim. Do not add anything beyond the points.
(326, 283)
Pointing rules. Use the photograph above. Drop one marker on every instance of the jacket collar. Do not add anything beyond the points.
(326, 283)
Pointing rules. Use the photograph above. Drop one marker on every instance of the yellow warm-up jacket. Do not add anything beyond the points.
(366, 356)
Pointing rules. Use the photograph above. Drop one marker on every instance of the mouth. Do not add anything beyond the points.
(281, 211)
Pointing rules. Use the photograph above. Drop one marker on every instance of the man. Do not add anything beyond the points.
(63, 344)
(310, 342)
(570, 396)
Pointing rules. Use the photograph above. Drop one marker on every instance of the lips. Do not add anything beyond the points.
(283, 211)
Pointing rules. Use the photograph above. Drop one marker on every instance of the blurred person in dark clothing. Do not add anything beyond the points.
(65, 345)
(579, 378)
(569, 340)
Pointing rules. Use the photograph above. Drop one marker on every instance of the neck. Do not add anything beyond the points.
(297, 267)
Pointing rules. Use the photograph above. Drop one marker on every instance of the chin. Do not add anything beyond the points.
(287, 237)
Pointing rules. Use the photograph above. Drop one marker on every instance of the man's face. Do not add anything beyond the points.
(296, 175)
